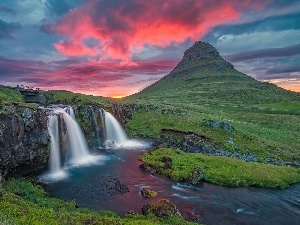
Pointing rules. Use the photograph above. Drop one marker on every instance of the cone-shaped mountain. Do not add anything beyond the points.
(203, 76)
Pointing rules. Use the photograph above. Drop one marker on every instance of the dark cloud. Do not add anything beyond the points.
(264, 53)
(284, 70)
(272, 23)
(7, 29)
(4, 9)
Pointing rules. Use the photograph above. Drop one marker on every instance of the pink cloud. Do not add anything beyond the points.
(105, 79)
(124, 27)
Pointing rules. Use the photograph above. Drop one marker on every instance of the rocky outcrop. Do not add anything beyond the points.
(202, 54)
(24, 138)
(215, 124)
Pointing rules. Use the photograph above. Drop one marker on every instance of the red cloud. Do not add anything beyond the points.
(104, 79)
(123, 27)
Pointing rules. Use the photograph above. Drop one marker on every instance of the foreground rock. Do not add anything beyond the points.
(162, 208)
(24, 138)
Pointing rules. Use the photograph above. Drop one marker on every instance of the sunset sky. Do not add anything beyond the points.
(118, 47)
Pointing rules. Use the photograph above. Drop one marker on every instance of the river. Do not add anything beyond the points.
(205, 203)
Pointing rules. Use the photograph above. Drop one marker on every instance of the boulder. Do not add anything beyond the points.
(162, 208)
(148, 193)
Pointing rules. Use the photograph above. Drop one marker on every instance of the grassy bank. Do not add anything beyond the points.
(259, 130)
(220, 170)
(24, 202)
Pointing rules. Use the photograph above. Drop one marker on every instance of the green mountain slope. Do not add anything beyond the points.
(204, 86)
(203, 76)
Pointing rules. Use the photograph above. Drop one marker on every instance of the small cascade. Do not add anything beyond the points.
(113, 130)
(72, 114)
(70, 111)
(54, 161)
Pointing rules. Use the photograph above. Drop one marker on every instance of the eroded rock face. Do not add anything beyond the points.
(24, 138)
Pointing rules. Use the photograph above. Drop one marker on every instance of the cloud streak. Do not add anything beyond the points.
(265, 53)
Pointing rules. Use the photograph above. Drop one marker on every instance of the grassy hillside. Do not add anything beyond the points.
(204, 77)
(265, 117)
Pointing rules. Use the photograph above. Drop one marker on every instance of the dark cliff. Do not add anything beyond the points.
(24, 138)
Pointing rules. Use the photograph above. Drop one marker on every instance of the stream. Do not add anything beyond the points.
(204, 203)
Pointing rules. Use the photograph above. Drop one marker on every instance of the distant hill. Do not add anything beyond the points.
(203, 76)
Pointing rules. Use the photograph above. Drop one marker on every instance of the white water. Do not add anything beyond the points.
(69, 110)
(72, 114)
(54, 161)
(77, 144)
(115, 135)
(113, 130)
(55, 171)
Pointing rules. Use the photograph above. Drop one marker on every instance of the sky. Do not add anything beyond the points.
(116, 48)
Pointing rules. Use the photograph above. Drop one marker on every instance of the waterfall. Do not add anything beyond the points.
(54, 161)
(72, 114)
(102, 116)
(113, 130)
(76, 140)
(70, 111)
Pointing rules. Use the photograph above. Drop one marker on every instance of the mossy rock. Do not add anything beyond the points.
(148, 193)
(162, 208)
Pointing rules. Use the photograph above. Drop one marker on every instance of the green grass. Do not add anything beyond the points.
(221, 170)
(24, 202)
(265, 134)
(66, 97)
(10, 95)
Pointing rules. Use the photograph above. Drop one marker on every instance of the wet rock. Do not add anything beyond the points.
(197, 175)
(162, 208)
(24, 138)
(148, 193)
